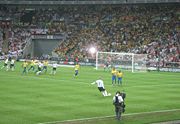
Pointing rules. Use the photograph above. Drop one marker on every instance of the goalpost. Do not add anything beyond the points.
(126, 61)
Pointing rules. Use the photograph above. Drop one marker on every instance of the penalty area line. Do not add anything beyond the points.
(102, 117)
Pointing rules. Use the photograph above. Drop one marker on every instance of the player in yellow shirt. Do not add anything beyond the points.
(45, 65)
(119, 76)
(33, 63)
(113, 72)
(76, 69)
(24, 65)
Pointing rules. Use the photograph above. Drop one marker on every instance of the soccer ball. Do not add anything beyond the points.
(109, 94)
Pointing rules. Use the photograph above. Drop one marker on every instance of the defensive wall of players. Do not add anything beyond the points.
(71, 64)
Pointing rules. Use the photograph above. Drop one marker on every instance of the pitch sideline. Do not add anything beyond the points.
(82, 119)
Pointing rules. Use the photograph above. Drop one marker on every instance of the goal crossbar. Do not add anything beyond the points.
(136, 62)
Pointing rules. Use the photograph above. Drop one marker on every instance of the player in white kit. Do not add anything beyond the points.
(12, 66)
(40, 65)
(100, 85)
(54, 67)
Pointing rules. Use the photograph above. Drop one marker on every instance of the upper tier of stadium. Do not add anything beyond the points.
(138, 28)
(57, 2)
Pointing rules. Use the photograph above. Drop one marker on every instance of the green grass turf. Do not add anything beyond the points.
(31, 99)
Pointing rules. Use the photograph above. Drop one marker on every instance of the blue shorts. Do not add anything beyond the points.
(76, 72)
(119, 78)
(45, 67)
(113, 77)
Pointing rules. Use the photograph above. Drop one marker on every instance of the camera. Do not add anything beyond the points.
(123, 95)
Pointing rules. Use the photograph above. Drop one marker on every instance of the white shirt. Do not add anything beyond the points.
(6, 61)
(54, 65)
(99, 83)
(12, 61)
(119, 98)
(40, 65)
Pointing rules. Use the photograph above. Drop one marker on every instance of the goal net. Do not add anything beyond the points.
(125, 61)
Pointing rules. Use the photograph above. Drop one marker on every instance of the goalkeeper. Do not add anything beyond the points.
(100, 85)
(107, 66)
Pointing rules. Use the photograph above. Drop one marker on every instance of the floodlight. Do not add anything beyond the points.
(92, 50)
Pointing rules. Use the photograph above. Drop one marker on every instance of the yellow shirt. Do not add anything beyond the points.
(32, 62)
(119, 74)
(76, 67)
(113, 72)
(35, 62)
(45, 63)
(25, 64)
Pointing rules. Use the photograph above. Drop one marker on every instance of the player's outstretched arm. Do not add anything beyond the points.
(93, 83)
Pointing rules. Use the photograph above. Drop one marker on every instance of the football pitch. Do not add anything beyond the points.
(62, 98)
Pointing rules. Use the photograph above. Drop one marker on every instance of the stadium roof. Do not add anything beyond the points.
(54, 2)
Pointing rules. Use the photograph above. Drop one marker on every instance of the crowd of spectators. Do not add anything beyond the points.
(1, 42)
(17, 40)
(13, 37)
(151, 30)
(63, 0)
(148, 29)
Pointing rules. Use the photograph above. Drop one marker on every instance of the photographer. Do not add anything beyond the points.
(118, 104)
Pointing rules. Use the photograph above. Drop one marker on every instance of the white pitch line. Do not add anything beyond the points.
(83, 82)
(82, 119)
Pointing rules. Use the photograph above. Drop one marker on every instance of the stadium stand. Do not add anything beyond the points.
(149, 29)
(149, 32)
(1, 42)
